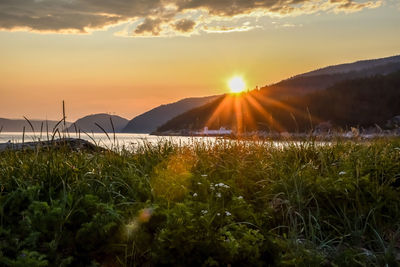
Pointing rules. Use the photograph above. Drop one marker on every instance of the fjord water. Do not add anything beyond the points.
(101, 139)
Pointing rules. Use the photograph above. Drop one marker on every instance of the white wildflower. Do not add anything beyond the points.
(342, 173)
(222, 185)
(218, 214)
(218, 194)
(368, 252)
(204, 212)
(204, 175)
(199, 183)
(195, 195)
(240, 197)
(227, 213)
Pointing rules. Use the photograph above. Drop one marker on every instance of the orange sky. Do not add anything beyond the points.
(126, 70)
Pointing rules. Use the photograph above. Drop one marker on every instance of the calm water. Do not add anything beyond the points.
(131, 141)
(127, 140)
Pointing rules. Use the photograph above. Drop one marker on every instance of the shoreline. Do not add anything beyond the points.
(291, 136)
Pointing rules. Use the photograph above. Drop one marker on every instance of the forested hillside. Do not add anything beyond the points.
(359, 102)
(150, 120)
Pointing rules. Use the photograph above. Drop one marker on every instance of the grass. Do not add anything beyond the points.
(210, 204)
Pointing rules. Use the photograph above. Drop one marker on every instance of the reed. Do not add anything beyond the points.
(113, 128)
(104, 131)
(32, 128)
(41, 131)
(23, 135)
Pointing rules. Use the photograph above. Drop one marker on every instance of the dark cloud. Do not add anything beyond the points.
(86, 15)
(152, 26)
(77, 15)
(185, 25)
(351, 6)
(230, 7)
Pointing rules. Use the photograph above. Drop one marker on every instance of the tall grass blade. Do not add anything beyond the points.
(98, 125)
(47, 130)
(104, 131)
(295, 121)
(76, 129)
(23, 135)
(88, 135)
(54, 134)
(56, 126)
(113, 128)
(64, 125)
(310, 120)
(41, 131)
(30, 124)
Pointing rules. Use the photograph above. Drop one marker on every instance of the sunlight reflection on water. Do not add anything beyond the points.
(101, 139)
(132, 141)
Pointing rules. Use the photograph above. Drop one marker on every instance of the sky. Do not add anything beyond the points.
(125, 57)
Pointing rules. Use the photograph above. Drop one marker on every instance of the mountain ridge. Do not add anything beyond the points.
(148, 121)
(353, 66)
(88, 123)
(302, 84)
(17, 125)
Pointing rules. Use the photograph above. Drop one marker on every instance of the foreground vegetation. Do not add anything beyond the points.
(238, 203)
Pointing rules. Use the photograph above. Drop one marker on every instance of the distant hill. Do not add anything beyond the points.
(88, 123)
(360, 102)
(355, 66)
(17, 125)
(326, 77)
(150, 120)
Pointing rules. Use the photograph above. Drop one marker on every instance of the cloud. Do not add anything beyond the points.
(152, 26)
(157, 17)
(225, 29)
(349, 6)
(185, 25)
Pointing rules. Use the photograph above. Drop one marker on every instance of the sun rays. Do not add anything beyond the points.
(255, 111)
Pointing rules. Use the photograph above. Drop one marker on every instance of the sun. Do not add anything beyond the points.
(237, 85)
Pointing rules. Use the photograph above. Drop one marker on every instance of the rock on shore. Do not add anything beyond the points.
(71, 143)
